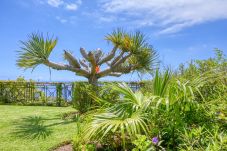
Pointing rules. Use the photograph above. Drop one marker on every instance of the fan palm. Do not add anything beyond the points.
(131, 114)
(128, 117)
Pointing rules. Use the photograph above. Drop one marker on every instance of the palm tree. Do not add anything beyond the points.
(131, 52)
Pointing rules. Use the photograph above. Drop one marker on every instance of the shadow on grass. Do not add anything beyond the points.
(33, 127)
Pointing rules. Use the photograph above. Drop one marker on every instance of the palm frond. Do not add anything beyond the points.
(126, 117)
(116, 37)
(160, 83)
(35, 50)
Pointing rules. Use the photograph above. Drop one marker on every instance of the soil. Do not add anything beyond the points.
(67, 147)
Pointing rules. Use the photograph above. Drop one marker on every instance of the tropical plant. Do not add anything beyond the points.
(131, 52)
(81, 100)
(127, 117)
(84, 95)
(170, 107)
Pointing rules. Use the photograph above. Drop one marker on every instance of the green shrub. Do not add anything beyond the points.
(84, 95)
(82, 99)
(19, 91)
(173, 109)
(59, 98)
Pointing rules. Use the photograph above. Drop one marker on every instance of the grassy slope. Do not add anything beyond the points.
(33, 128)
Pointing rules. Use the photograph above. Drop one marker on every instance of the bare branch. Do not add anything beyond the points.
(57, 66)
(108, 63)
(124, 69)
(104, 72)
(115, 74)
(115, 66)
(84, 53)
(91, 59)
(98, 55)
(72, 60)
(117, 58)
(122, 60)
(82, 63)
(109, 56)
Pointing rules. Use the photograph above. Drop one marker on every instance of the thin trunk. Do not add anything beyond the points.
(93, 80)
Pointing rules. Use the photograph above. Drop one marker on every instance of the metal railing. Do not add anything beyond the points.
(42, 91)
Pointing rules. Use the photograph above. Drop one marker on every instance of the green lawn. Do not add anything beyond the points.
(33, 128)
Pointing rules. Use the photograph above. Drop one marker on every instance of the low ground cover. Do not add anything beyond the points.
(34, 128)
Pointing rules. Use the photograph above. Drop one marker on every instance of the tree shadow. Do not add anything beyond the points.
(33, 127)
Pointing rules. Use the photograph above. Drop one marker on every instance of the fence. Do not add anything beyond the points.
(45, 91)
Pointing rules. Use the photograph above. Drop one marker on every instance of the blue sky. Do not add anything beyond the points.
(179, 30)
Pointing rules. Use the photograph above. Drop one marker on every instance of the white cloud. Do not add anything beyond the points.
(62, 20)
(71, 6)
(169, 15)
(64, 4)
(55, 3)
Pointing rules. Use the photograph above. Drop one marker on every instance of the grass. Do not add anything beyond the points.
(33, 128)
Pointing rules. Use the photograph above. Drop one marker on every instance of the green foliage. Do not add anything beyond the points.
(143, 54)
(175, 107)
(122, 118)
(160, 83)
(141, 143)
(59, 98)
(82, 99)
(201, 138)
(16, 91)
(215, 90)
(85, 96)
(35, 51)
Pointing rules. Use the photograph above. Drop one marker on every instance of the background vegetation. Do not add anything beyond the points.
(180, 110)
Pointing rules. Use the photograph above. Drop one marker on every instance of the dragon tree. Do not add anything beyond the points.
(130, 52)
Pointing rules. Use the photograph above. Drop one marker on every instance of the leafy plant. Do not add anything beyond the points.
(59, 94)
(141, 143)
(81, 98)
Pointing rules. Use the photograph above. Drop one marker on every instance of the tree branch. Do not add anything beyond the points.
(124, 69)
(112, 68)
(122, 60)
(117, 58)
(109, 56)
(84, 53)
(98, 55)
(91, 59)
(72, 60)
(82, 63)
(115, 74)
(56, 66)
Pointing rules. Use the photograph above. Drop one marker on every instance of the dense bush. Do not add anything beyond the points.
(182, 110)
(85, 96)
(82, 99)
